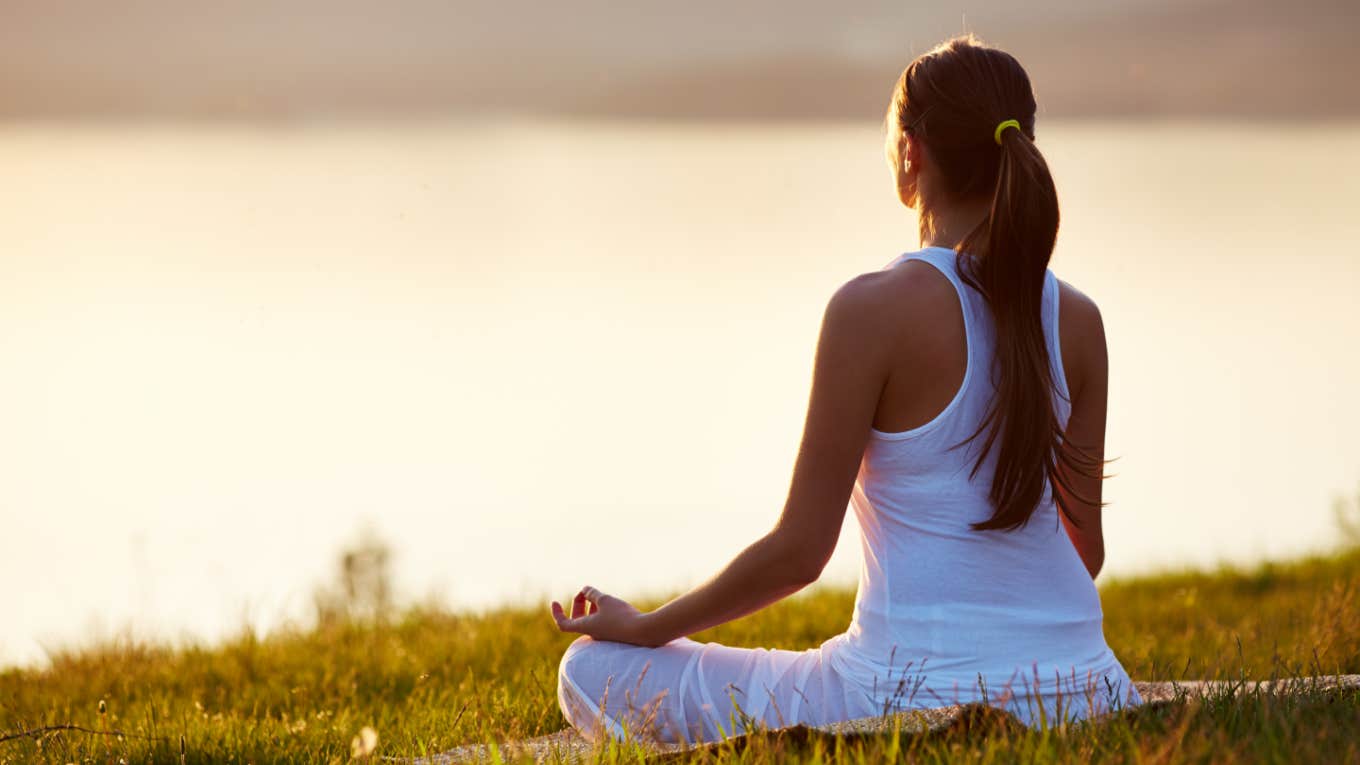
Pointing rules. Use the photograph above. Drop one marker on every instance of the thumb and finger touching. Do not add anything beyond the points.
(584, 605)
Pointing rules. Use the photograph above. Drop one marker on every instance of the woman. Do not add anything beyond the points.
(958, 403)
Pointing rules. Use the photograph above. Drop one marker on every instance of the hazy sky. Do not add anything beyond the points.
(265, 59)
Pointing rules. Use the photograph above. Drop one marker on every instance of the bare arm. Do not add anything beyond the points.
(848, 377)
(1086, 360)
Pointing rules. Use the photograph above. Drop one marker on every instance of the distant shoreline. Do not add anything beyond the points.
(434, 120)
(1248, 59)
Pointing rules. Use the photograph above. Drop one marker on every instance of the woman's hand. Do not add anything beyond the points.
(605, 617)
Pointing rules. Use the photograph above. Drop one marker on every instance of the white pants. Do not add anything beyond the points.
(691, 692)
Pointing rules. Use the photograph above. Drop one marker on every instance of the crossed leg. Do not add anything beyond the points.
(691, 692)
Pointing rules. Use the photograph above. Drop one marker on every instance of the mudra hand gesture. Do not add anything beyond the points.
(604, 617)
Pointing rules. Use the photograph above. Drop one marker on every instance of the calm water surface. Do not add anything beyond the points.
(533, 356)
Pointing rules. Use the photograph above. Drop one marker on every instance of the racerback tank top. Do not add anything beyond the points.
(945, 614)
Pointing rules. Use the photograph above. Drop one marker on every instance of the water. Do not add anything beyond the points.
(539, 355)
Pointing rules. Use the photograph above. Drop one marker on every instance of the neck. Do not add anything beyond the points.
(949, 225)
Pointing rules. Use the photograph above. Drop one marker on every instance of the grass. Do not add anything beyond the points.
(428, 680)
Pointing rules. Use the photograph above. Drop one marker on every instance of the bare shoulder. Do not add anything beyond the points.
(1079, 314)
(1081, 331)
(912, 290)
(1073, 302)
(881, 315)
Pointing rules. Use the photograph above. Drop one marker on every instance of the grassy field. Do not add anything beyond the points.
(426, 681)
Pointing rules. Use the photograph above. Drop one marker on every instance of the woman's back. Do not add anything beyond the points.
(945, 419)
(949, 614)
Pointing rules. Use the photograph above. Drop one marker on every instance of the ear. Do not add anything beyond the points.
(910, 154)
(912, 151)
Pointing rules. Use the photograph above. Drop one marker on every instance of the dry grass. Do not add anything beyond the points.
(429, 680)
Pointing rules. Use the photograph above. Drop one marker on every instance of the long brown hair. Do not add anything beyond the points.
(954, 97)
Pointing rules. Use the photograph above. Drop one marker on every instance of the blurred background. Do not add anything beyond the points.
(506, 298)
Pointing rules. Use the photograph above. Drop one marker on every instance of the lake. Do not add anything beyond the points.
(536, 355)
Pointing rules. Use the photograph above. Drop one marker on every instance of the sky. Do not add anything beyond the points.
(801, 59)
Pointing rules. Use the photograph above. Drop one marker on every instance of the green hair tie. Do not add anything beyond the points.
(1008, 123)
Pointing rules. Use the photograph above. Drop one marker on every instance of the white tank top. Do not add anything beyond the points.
(946, 614)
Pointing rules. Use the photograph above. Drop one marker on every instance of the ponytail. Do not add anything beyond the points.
(1012, 248)
(1016, 241)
